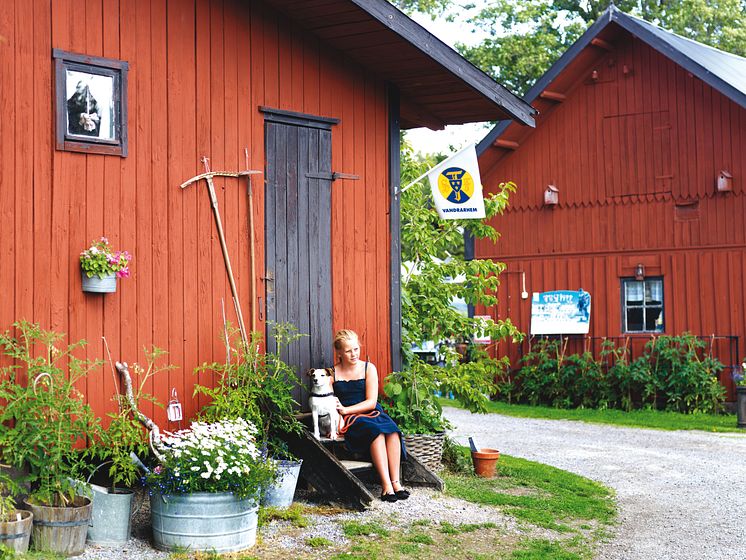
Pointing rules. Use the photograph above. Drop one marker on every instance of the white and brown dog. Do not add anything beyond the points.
(323, 404)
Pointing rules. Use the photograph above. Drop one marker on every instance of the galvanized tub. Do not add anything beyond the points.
(61, 529)
(110, 519)
(217, 522)
(280, 494)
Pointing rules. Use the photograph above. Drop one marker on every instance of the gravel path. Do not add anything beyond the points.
(681, 495)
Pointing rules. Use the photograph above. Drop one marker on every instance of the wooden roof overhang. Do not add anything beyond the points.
(437, 86)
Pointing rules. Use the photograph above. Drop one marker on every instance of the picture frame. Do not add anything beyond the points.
(90, 103)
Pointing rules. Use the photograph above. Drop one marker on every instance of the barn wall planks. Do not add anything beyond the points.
(635, 157)
(199, 70)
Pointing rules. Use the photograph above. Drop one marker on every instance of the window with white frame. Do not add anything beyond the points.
(642, 305)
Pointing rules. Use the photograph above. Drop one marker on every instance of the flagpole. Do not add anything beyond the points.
(426, 173)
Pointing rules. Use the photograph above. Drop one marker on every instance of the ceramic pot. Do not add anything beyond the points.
(485, 461)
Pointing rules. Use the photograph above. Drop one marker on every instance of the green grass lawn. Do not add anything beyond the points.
(579, 511)
(653, 419)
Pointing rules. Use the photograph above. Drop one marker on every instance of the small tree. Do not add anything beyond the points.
(434, 273)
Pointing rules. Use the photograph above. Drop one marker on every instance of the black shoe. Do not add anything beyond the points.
(391, 498)
(402, 494)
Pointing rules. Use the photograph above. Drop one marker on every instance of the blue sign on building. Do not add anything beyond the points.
(561, 312)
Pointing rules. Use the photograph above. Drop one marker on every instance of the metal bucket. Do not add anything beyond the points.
(280, 495)
(111, 517)
(217, 522)
(105, 285)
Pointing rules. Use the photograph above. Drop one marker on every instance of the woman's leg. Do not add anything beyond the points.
(379, 456)
(393, 451)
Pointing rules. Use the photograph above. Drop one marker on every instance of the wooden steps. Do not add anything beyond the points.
(333, 471)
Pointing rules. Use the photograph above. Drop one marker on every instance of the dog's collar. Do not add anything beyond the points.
(324, 395)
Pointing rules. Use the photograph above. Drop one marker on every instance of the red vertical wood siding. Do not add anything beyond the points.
(199, 70)
(635, 157)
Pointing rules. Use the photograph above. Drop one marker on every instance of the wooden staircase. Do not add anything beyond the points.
(339, 476)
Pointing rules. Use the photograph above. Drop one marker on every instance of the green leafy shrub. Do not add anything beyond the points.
(125, 434)
(256, 386)
(674, 373)
(46, 421)
(435, 273)
(687, 380)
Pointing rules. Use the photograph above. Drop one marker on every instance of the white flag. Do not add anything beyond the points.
(457, 187)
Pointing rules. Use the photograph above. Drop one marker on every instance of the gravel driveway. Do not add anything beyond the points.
(681, 495)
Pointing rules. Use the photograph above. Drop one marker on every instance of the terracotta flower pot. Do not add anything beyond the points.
(485, 461)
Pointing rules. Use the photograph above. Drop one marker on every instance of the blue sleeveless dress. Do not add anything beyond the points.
(364, 430)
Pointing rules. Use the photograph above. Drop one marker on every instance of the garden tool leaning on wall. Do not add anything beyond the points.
(207, 176)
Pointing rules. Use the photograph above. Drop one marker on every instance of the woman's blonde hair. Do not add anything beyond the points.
(344, 334)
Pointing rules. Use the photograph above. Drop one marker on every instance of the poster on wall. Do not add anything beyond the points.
(561, 312)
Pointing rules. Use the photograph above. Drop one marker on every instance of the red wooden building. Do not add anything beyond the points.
(640, 140)
(303, 90)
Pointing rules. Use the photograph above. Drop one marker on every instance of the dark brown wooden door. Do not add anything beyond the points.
(298, 237)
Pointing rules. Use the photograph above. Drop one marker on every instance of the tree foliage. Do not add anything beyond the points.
(434, 273)
(434, 270)
(525, 37)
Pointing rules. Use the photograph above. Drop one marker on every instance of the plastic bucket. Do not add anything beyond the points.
(110, 517)
(61, 529)
(217, 522)
(485, 461)
(280, 494)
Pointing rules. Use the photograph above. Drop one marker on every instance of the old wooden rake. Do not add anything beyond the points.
(208, 176)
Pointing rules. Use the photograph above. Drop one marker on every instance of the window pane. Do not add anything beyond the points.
(654, 319)
(633, 292)
(654, 292)
(634, 319)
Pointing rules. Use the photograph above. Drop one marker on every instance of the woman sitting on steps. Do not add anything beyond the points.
(369, 428)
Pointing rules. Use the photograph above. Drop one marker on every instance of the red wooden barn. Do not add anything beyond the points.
(311, 92)
(640, 140)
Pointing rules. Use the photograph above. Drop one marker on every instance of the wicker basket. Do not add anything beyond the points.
(428, 448)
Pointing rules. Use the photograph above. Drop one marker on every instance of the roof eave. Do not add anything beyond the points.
(481, 83)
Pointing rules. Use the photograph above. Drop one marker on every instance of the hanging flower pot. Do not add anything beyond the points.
(101, 266)
(100, 285)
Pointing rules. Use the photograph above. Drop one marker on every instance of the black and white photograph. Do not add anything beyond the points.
(91, 104)
(90, 111)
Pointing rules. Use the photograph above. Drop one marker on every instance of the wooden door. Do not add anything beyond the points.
(298, 237)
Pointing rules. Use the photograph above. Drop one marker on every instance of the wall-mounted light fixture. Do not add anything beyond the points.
(551, 196)
(725, 181)
(640, 271)
(524, 293)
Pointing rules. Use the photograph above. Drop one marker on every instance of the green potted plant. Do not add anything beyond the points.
(124, 437)
(259, 387)
(101, 266)
(204, 494)
(46, 423)
(412, 397)
(15, 524)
